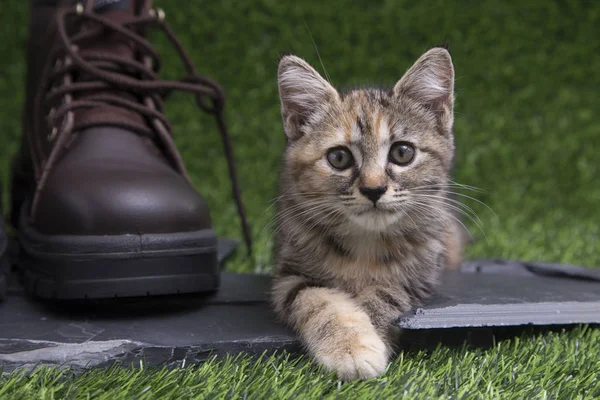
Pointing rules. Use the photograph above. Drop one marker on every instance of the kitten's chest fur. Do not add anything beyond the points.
(355, 260)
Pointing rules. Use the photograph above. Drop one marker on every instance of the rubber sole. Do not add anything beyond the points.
(97, 267)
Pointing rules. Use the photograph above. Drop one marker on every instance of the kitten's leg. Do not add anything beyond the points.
(384, 305)
(455, 241)
(333, 327)
(453, 253)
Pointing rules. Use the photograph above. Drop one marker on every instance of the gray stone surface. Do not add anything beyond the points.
(510, 293)
(472, 305)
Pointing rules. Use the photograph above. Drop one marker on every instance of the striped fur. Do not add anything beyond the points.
(345, 269)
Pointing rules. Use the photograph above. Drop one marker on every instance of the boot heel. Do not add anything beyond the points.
(18, 192)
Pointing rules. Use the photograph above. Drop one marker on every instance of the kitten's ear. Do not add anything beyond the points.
(303, 92)
(430, 82)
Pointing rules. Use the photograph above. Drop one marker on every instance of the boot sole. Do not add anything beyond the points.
(69, 267)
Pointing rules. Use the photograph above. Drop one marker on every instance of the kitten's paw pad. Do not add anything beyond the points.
(366, 358)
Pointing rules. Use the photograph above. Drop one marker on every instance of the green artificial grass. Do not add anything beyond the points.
(538, 367)
(527, 133)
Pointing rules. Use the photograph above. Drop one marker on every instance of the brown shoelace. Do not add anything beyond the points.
(209, 95)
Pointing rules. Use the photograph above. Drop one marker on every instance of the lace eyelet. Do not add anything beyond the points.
(52, 134)
(50, 115)
(157, 13)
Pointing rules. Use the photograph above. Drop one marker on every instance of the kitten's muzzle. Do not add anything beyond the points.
(373, 193)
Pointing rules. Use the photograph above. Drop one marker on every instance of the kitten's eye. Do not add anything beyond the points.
(402, 153)
(340, 158)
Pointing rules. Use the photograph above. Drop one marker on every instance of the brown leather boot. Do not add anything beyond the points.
(101, 198)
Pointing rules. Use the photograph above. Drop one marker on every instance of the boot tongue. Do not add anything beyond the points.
(103, 6)
(110, 42)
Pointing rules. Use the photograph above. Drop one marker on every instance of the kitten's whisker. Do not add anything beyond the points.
(316, 196)
(318, 54)
(302, 210)
(297, 209)
(310, 205)
(468, 197)
(317, 223)
(273, 202)
(408, 215)
(312, 211)
(475, 200)
(453, 201)
(316, 193)
(302, 227)
(448, 185)
(424, 208)
(334, 222)
(475, 219)
(306, 202)
(431, 208)
(416, 208)
(475, 188)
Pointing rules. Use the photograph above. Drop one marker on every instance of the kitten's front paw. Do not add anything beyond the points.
(363, 355)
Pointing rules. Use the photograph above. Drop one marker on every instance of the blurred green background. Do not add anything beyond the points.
(527, 131)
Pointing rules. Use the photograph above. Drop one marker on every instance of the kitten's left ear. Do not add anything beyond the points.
(430, 82)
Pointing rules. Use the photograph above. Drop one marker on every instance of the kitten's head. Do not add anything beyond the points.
(369, 156)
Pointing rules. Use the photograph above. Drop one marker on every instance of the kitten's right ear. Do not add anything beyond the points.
(303, 92)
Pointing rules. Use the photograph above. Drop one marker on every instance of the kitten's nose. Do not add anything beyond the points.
(373, 193)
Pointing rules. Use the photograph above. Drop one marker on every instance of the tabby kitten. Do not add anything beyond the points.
(364, 226)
